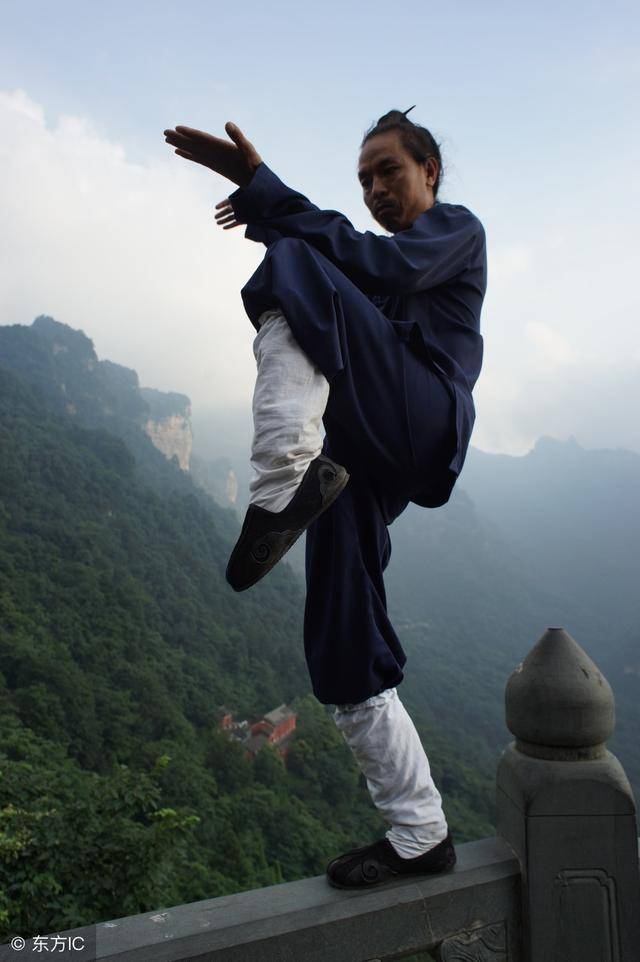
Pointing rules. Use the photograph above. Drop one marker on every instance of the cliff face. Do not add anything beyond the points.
(217, 478)
(231, 487)
(172, 435)
(168, 424)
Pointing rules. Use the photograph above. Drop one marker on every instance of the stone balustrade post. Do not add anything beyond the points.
(565, 806)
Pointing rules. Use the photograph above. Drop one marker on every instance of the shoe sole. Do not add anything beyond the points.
(289, 538)
(394, 875)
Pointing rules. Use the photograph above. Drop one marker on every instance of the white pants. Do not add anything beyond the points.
(289, 399)
(388, 749)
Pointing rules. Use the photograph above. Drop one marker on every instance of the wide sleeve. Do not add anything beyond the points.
(436, 248)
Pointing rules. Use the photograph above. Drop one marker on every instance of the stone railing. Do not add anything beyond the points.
(560, 882)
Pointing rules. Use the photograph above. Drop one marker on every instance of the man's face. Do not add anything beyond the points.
(396, 188)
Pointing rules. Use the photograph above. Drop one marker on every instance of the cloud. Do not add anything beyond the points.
(595, 402)
(508, 263)
(550, 344)
(561, 349)
(128, 253)
(598, 403)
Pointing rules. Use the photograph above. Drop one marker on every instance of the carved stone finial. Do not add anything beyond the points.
(558, 705)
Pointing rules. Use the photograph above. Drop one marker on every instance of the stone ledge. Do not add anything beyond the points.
(310, 920)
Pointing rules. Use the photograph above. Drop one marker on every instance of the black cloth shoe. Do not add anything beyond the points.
(379, 862)
(267, 535)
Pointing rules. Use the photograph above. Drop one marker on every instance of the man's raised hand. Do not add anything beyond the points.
(236, 160)
(226, 217)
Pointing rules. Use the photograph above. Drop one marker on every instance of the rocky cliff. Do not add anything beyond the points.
(218, 479)
(169, 424)
(172, 436)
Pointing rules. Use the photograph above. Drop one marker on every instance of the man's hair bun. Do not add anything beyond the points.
(394, 117)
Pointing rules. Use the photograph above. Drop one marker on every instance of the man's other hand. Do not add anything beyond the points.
(236, 159)
(226, 216)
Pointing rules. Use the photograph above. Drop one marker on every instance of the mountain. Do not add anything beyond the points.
(575, 511)
(120, 641)
(220, 461)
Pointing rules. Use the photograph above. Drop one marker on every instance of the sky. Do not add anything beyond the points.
(107, 230)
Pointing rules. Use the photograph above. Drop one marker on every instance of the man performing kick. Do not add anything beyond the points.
(378, 338)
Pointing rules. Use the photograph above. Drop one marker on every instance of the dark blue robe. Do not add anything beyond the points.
(394, 324)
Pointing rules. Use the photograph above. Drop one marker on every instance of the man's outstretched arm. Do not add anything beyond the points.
(437, 247)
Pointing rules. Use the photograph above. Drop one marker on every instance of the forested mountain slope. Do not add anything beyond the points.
(119, 640)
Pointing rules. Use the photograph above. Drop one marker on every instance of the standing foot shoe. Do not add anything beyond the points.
(267, 535)
(379, 862)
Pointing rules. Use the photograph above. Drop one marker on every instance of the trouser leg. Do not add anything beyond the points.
(355, 658)
(388, 750)
(351, 648)
(289, 401)
(399, 417)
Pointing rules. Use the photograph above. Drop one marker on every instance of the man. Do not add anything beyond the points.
(378, 337)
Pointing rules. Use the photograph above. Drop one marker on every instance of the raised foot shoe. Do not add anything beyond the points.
(379, 862)
(267, 535)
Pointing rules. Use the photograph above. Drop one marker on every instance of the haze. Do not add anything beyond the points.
(109, 231)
